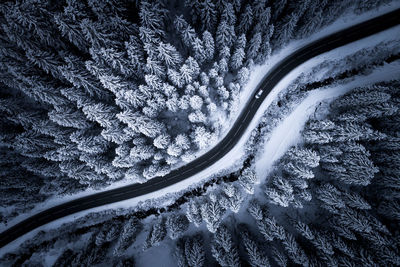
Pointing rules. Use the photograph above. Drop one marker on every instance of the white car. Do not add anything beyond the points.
(259, 93)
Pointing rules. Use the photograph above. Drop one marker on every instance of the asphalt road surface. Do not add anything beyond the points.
(287, 64)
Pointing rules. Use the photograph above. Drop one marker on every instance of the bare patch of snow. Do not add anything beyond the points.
(161, 255)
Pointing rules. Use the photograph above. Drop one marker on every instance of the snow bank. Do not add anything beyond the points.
(161, 255)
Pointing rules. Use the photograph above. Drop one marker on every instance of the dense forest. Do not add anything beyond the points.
(332, 200)
(94, 92)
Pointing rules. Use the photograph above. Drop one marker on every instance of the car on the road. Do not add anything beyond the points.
(259, 93)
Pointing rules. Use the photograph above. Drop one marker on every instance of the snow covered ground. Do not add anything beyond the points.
(288, 133)
(238, 151)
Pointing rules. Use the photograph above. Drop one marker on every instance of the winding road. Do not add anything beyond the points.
(287, 64)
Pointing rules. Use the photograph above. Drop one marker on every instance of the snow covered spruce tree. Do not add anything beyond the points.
(190, 251)
(127, 235)
(248, 179)
(176, 225)
(255, 252)
(156, 233)
(212, 210)
(290, 187)
(224, 248)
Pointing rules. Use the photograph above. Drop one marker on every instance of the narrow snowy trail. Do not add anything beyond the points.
(288, 132)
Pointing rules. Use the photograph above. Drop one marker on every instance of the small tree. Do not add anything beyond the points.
(223, 248)
(255, 252)
(211, 212)
(127, 236)
(248, 179)
(162, 141)
(193, 213)
(156, 234)
(190, 251)
(234, 196)
(208, 41)
(176, 225)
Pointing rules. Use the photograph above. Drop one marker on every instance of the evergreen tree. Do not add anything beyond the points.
(248, 179)
(127, 236)
(187, 33)
(176, 225)
(234, 197)
(243, 76)
(355, 132)
(354, 200)
(225, 35)
(193, 213)
(209, 46)
(280, 259)
(195, 251)
(331, 197)
(362, 98)
(199, 50)
(182, 141)
(208, 15)
(196, 102)
(254, 46)
(202, 138)
(306, 25)
(156, 234)
(246, 19)
(390, 209)
(359, 169)
(69, 117)
(254, 251)
(278, 7)
(211, 211)
(162, 141)
(228, 12)
(169, 55)
(224, 249)
(294, 251)
(304, 230)
(299, 170)
(305, 157)
(280, 192)
(354, 221)
(255, 210)
(238, 54)
(270, 229)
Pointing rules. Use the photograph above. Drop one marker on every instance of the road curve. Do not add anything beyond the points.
(293, 60)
